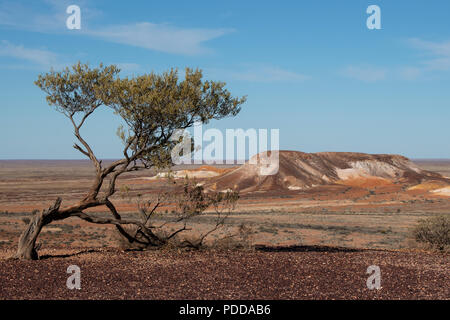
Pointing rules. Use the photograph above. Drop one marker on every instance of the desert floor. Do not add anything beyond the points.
(312, 244)
(288, 273)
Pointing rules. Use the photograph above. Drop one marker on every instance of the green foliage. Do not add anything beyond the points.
(434, 232)
(78, 89)
(153, 105)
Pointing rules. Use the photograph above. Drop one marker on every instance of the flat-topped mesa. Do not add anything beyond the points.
(299, 170)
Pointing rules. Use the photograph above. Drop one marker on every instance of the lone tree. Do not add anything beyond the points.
(152, 107)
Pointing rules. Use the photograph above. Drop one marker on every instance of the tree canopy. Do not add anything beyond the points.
(152, 105)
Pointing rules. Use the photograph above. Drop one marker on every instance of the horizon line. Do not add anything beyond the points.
(114, 159)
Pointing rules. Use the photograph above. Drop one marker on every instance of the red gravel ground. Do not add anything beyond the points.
(287, 273)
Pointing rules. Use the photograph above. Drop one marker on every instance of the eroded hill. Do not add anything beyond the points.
(299, 171)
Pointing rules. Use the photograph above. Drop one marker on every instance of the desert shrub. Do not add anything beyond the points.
(158, 229)
(241, 239)
(123, 242)
(434, 232)
(246, 235)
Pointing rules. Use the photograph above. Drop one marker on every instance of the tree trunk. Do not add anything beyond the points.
(27, 249)
(27, 243)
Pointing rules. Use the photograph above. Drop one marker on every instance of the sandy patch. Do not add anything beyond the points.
(429, 186)
(52, 229)
(443, 191)
(200, 173)
(365, 182)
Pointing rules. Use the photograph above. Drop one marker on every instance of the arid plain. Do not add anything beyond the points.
(366, 215)
(363, 222)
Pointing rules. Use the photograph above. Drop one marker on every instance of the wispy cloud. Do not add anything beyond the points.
(38, 57)
(261, 74)
(436, 48)
(365, 73)
(152, 36)
(160, 37)
(128, 67)
(50, 19)
(409, 73)
(438, 53)
(43, 59)
(435, 56)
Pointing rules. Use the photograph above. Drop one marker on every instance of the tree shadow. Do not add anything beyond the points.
(263, 248)
(68, 255)
(312, 248)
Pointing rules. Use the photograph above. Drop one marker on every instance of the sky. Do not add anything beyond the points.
(311, 69)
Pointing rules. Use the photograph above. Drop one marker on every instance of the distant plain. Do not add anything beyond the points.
(355, 217)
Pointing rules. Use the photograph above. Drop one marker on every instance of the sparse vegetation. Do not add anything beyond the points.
(190, 203)
(241, 239)
(434, 232)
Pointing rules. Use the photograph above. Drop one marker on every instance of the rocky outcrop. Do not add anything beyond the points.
(299, 170)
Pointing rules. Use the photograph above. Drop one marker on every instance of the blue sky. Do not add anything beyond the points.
(310, 68)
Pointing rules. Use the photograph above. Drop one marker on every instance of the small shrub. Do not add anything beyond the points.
(241, 239)
(434, 232)
(123, 242)
(246, 235)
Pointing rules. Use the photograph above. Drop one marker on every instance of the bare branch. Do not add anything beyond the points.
(85, 144)
(76, 146)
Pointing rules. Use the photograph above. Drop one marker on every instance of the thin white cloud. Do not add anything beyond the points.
(40, 57)
(435, 56)
(128, 67)
(261, 74)
(152, 36)
(441, 64)
(52, 18)
(438, 53)
(409, 73)
(436, 48)
(365, 73)
(160, 37)
(43, 59)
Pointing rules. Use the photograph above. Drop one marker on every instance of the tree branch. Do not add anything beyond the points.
(89, 151)
(76, 146)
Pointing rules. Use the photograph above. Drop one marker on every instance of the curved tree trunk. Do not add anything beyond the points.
(27, 244)
(26, 249)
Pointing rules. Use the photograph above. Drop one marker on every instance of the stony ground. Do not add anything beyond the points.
(266, 273)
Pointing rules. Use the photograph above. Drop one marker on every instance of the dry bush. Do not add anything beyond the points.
(434, 232)
(123, 243)
(241, 239)
(174, 243)
(169, 230)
